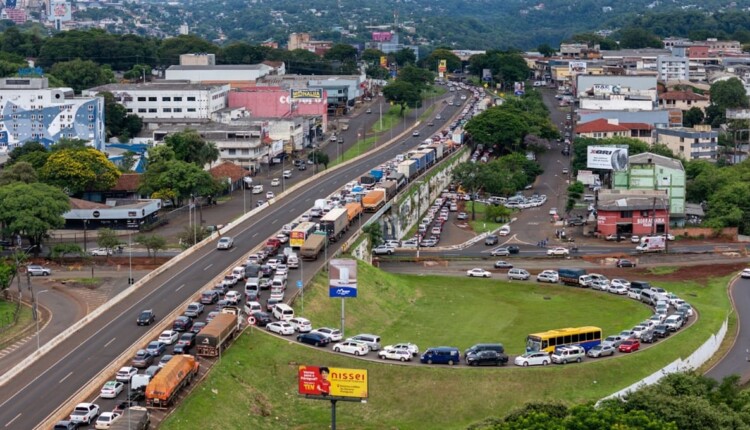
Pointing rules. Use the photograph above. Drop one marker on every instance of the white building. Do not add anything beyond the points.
(673, 68)
(30, 111)
(221, 73)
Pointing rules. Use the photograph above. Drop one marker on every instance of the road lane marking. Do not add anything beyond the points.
(208, 267)
(11, 421)
(66, 376)
(179, 288)
(108, 343)
(274, 221)
(255, 234)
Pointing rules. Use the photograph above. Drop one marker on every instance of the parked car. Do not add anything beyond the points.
(111, 389)
(315, 339)
(105, 420)
(146, 317)
(613, 341)
(661, 330)
(617, 289)
(625, 263)
(630, 345)
(301, 325)
(37, 270)
(478, 273)
(486, 357)
(568, 354)
(383, 250)
(209, 297)
(352, 347)
(394, 354)
(100, 252)
(85, 413)
(409, 347)
(548, 276)
(601, 351)
(648, 337)
(125, 373)
(534, 358)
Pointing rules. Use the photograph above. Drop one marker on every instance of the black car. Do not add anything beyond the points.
(302, 167)
(197, 327)
(316, 339)
(625, 263)
(182, 323)
(124, 405)
(661, 330)
(266, 270)
(262, 319)
(487, 357)
(648, 337)
(576, 221)
(67, 425)
(136, 396)
(513, 249)
(146, 317)
(181, 348)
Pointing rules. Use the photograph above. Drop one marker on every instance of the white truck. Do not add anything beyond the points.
(651, 244)
(85, 413)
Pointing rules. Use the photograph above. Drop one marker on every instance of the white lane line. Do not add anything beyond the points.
(274, 221)
(66, 377)
(179, 288)
(255, 234)
(108, 343)
(11, 421)
(208, 267)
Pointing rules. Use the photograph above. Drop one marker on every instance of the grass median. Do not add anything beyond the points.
(10, 329)
(255, 384)
(356, 150)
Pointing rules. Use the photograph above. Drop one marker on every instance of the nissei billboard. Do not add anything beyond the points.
(607, 157)
(332, 382)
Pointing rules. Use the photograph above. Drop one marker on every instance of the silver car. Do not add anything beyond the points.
(37, 270)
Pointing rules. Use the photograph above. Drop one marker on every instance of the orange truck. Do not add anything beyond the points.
(162, 390)
(374, 200)
(354, 210)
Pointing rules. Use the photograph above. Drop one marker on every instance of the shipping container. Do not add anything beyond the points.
(354, 211)
(391, 188)
(334, 223)
(398, 178)
(408, 168)
(313, 245)
(367, 180)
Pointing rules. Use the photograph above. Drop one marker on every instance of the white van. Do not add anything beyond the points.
(283, 312)
(139, 380)
(257, 189)
(279, 282)
(588, 198)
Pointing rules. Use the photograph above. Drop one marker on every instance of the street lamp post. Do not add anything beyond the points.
(36, 312)
(131, 281)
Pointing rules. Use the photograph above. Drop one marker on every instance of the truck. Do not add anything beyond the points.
(390, 188)
(651, 244)
(216, 335)
(300, 234)
(132, 418)
(408, 168)
(374, 200)
(312, 247)
(162, 390)
(570, 276)
(398, 178)
(272, 246)
(377, 174)
(429, 156)
(367, 180)
(354, 211)
(334, 223)
(420, 160)
(439, 148)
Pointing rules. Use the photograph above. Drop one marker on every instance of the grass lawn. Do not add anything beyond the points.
(424, 115)
(358, 149)
(662, 270)
(433, 91)
(391, 118)
(255, 385)
(6, 317)
(480, 225)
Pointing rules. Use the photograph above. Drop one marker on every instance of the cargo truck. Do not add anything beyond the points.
(132, 418)
(354, 211)
(374, 200)
(334, 223)
(439, 148)
(429, 156)
(398, 178)
(215, 336)
(162, 390)
(377, 174)
(390, 188)
(571, 276)
(408, 168)
(312, 247)
(419, 159)
(299, 235)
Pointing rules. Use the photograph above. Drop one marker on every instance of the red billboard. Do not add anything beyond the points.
(382, 36)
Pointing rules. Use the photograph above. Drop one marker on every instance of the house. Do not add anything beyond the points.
(127, 213)
(233, 174)
(697, 142)
(632, 212)
(649, 171)
(607, 128)
(683, 100)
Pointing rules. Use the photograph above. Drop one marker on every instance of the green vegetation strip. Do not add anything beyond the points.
(6, 318)
(255, 384)
(391, 118)
(358, 149)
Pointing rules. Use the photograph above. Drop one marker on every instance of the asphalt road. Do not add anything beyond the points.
(737, 360)
(41, 388)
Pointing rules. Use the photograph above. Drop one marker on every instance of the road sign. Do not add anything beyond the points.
(299, 283)
(251, 320)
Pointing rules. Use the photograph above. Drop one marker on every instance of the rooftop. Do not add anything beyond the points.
(602, 125)
(620, 200)
(229, 170)
(156, 86)
(682, 95)
(128, 182)
(659, 160)
(221, 67)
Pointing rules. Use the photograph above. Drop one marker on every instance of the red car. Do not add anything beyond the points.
(630, 345)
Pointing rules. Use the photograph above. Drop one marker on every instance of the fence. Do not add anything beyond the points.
(694, 361)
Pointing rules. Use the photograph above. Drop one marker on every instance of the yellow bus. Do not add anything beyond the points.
(586, 337)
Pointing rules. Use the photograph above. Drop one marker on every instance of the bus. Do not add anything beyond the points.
(586, 337)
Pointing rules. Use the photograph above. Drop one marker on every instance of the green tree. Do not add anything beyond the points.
(61, 250)
(79, 170)
(405, 56)
(693, 116)
(139, 72)
(71, 144)
(546, 50)
(177, 178)
(471, 177)
(341, 52)
(160, 154)
(7, 273)
(106, 238)
(415, 76)
(24, 149)
(432, 61)
(131, 126)
(374, 232)
(190, 235)
(190, 147)
(152, 243)
(171, 48)
(242, 53)
(638, 38)
(19, 172)
(31, 210)
(497, 126)
(79, 74)
(403, 94)
(372, 56)
(728, 94)
(37, 159)
(319, 157)
(114, 114)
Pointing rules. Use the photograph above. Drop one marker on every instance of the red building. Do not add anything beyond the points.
(632, 212)
(274, 102)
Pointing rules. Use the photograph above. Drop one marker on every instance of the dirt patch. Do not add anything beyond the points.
(70, 264)
(696, 272)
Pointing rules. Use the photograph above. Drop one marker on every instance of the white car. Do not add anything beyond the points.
(638, 330)
(618, 289)
(598, 284)
(169, 337)
(416, 133)
(125, 373)
(383, 250)
(282, 238)
(275, 182)
(352, 347)
(225, 242)
(617, 282)
(103, 252)
(111, 389)
(548, 276)
(270, 195)
(504, 231)
(558, 251)
(287, 174)
(282, 270)
(300, 324)
(635, 239)
(534, 358)
(37, 270)
(478, 273)
(553, 212)
(409, 347)
(395, 354)
(234, 297)
(745, 273)
(334, 335)
(85, 413)
(280, 327)
(105, 420)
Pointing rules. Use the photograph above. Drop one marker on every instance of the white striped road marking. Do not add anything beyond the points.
(66, 377)
(11, 421)
(208, 267)
(108, 343)
(179, 288)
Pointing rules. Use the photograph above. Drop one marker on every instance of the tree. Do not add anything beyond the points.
(418, 77)
(37, 159)
(61, 250)
(7, 273)
(114, 114)
(471, 178)
(341, 52)
(497, 126)
(433, 60)
(31, 210)
(638, 38)
(66, 143)
(153, 243)
(405, 56)
(79, 74)
(131, 126)
(19, 172)
(728, 94)
(372, 56)
(139, 72)
(374, 233)
(160, 154)
(177, 178)
(190, 235)
(106, 238)
(190, 147)
(171, 48)
(243, 53)
(79, 170)
(319, 157)
(403, 94)
(24, 149)
(693, 116)
(546, 50)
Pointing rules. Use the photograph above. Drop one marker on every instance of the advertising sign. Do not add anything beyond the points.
(519, 88)
(486, 75)
(443, 66)
(306, 93)
(10, 4)
(577, 67)
(382, 36)
(384, 61)
(60, 11)
(605, 89)
(738, 113)
(611, 157)
(342, 278)
(332, 383)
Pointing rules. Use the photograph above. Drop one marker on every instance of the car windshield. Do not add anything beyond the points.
(533, 344)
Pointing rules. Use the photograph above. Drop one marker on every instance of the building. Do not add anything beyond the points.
(202, 59)
(673, 68)
(341, 90)
(648, 171)
(698, 142)
(234, 175)
(389, 42)
(168, 102)
(683, 100)
(303, 41)
(653, 117)
(579, 51)
(30, 111)
(607, 86)
(114, 214)
(236, 75)
(608, 128)
(632, 212)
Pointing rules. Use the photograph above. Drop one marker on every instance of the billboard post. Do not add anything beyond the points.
(342, 282)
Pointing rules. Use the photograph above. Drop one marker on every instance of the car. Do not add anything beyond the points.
(635, 239)
(165, 359)
(415, 133)
(156, 348)
(85, 413)
(438, 117)
(100, 252)
(502, 264)
(613, 341)
(262, 319)
(142, 359)
(315, 339)
(462, 216)
(598, 284)
(146, 317)
(500, 252)
(478, 273)
(611, 237)
(625, 263)
(332, 333)
(273, 301)
(648, 337)
(368, 110)
(182, 323)
(270, 195)
(37, 270)
(225, 242)
(674, 322)
(125, 373)
(533, 358)
(275, 182)
(619, 283)
(111, 389)
(661, 330)
(576, 222)
(670, 237)
(486, 357)
(548, 276)
(518, 274)
(383, 250)
(66, 425)
(553, 211)
(491, 240)
(409, 347)
(194, 309)
(504, 231)
(105, 420)
(286, 174)
(280, 327)
(302, 167)
(637, 330)
(187, 339)
(301, 325)
(630, 345)
(617, 289)
(558, 251)
(168, 337)
(394, 354)
(197, 327)
(233, 297)
(601, 351)
(568, 354)
(745, 273)
(352, 347)
(209, 297)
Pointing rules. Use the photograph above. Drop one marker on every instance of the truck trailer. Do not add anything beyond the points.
(374, 200)
(162, 390)
(334, 223)
(570, 276)
(391, 188)
(398, 178)
(408, 168)
(299, 235)
(354, 211)
(312, 247)
(132, 418)
(216, 335)
(377, 174)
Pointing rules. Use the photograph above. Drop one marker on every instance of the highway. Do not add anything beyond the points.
(737, 359)
(37, 391)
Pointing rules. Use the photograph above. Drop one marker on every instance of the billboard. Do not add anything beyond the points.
(382, 36)
(577, 67)
(519, 88)
(342, 278)
(486, 75)
(60, 11)
(332, 382)
(738, 113)
(384, 61)
(605, 89)
(442, 66)
(306, 93)
(611, 157)
(10, 4)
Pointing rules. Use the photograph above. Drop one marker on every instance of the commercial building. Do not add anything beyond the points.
(201, 59)
(673, 68)
(236, 75)
(698, 142)
(341, 90)
(608, 128)
(114, 214)
(632, 212)
(30, 111)
(638, 88)
(648, 171)
(303, 41)
(655, 118)
(277, 102)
